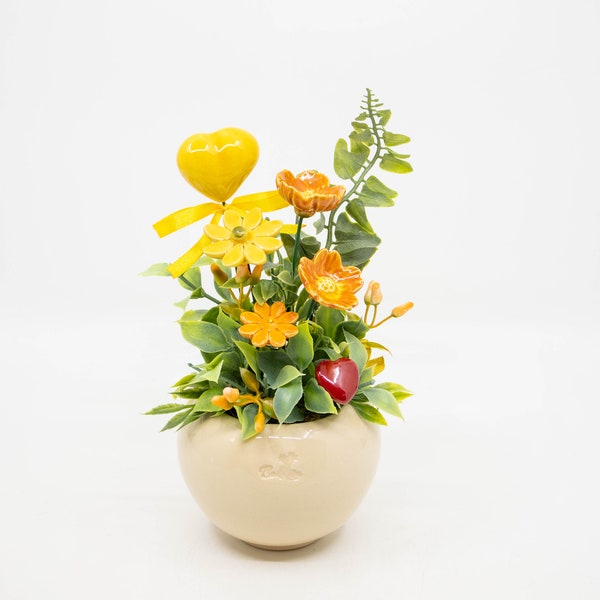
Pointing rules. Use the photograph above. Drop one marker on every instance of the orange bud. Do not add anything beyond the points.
(373, 295)
(402, 309)
(218, 273)
(242, 274)
(256, 273)
(259, 422)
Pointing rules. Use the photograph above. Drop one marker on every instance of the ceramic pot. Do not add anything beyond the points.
(288, 486)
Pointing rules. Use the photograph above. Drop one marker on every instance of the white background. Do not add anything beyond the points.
(490, 488)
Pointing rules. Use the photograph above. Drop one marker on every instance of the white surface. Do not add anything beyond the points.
(490, 489)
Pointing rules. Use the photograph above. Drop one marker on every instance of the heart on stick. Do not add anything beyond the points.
(338, 377)
(216, 164)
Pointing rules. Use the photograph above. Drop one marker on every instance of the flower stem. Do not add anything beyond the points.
(206, 295)
(299, 220)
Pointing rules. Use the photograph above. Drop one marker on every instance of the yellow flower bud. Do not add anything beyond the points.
(373, 295)
(218, 273)
(259, 422)
(402, 309)
(249, 380)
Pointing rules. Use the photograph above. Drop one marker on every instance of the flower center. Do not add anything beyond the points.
(326, 284)
(238, 234)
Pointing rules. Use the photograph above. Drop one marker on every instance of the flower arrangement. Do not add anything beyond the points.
(280, 342)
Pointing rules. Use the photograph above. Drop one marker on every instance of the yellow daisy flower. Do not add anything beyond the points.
(243, 238)
(268, 325)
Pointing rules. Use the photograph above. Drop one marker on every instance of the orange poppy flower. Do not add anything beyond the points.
(309, 192)
(268, 325)
(329, 282)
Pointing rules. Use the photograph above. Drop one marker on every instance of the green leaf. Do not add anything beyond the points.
(356, 254)
(210, 315)
(296, 416)
(347, 230)
(227, 324)
(271, 362)
(360, 125)
(300, 347)
(317, 399)
(357, 352)
(375, 193)
(157, 270)
(246, 416)
(182, 304)
(398, 155)
(209, 373)
(178, 419)
(384, 116)
(329, 319)
(309, 245)
(286, 279)
(347, 164)
(250, 353)
(356, 209)
(286, 398)
(185, 379)
(394, 165)
(399, 392)
(356, 327)
(319, 224)
(264, 290)
(366, 376)
(287, 374)
(394, 139)
(369, 413)
(191, 279)
(360, 140)
(204, 404)
(206, 336)
(164, 409)
(382, 399)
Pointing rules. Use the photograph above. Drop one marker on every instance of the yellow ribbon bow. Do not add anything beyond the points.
(266, 201)
(216, 164)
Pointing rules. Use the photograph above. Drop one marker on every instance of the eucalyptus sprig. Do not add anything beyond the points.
(369, 144)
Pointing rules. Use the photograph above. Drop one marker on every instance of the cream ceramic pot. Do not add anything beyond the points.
(288, 486)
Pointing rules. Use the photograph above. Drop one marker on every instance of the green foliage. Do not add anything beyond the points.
(280, 382)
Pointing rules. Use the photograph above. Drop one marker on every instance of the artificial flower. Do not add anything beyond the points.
(309, 192)
(231, 398)
(268, 325)
(373, 295)
(402, 309)
(329, 282)
(243, 238)
(228, 399)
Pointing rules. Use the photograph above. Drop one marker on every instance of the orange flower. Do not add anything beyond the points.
(231, 397)
(228, 399)
(309, 192)
(328, 281)
(268, 325)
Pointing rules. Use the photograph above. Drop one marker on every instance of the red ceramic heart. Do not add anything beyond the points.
(339, 377)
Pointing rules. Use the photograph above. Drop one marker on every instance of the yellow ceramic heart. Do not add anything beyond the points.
(216, 164)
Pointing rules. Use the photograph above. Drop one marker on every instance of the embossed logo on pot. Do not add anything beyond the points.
(284, 470)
